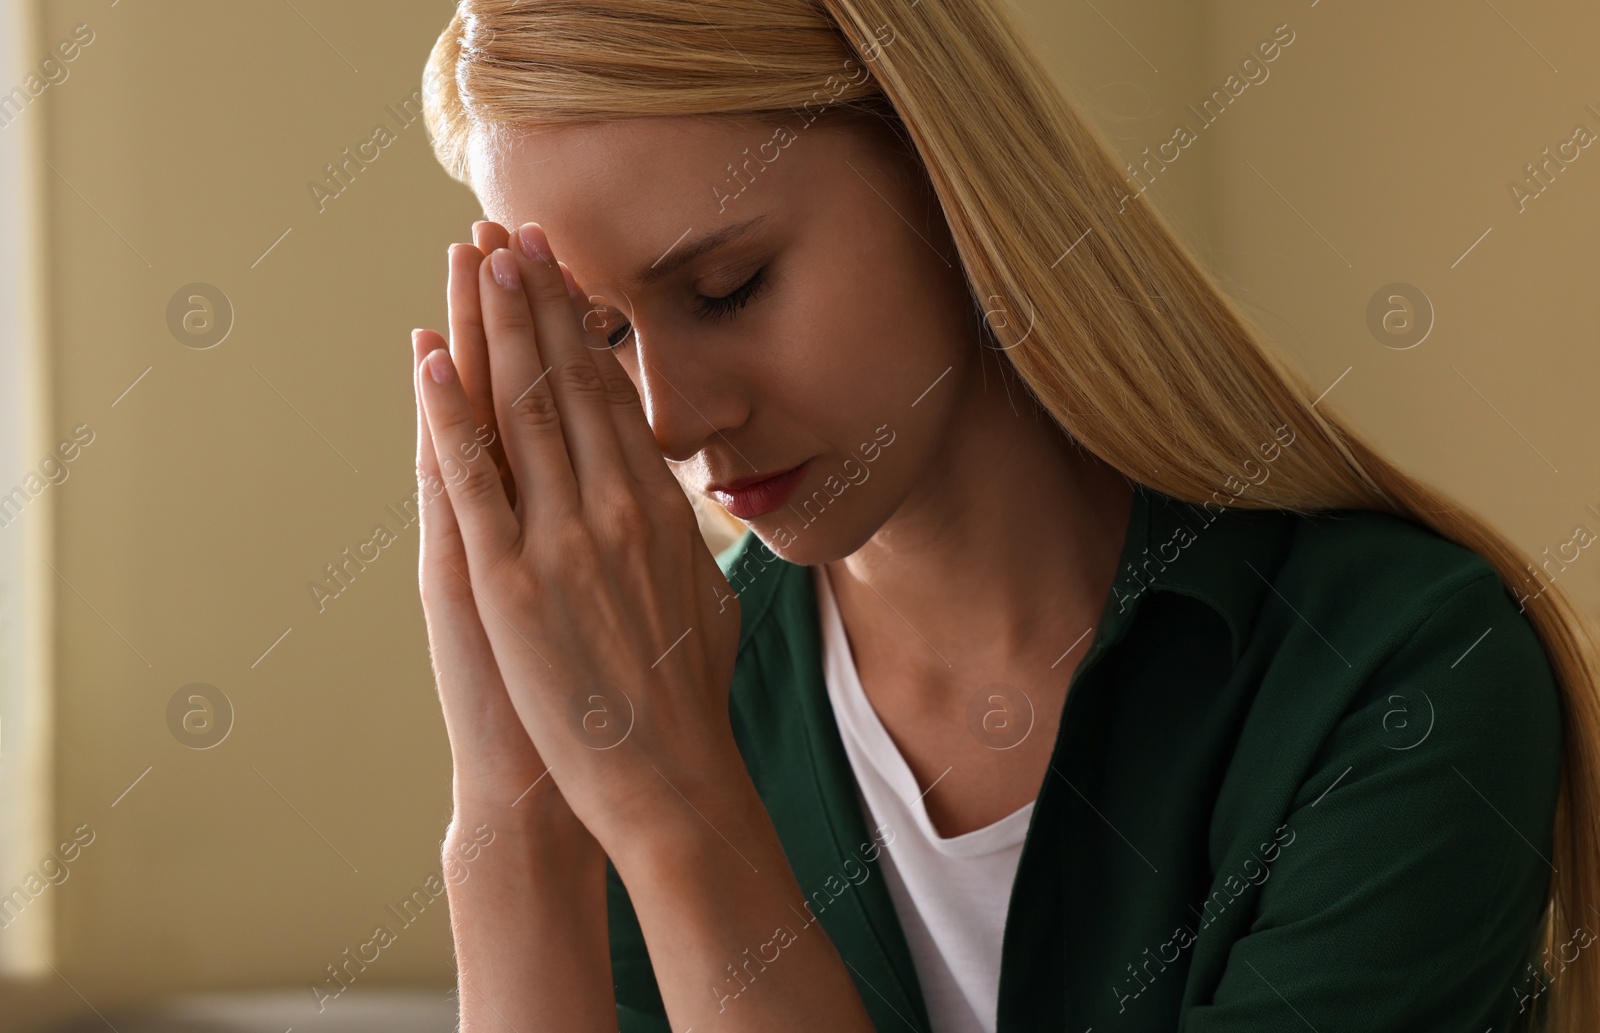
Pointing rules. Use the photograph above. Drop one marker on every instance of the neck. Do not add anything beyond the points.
(1002, 560)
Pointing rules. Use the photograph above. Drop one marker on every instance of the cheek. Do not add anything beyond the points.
(837, 371)
(882, 350)
(871, 368)
(856, 334)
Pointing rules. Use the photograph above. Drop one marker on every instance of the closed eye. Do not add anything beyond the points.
(716, 308)
(709, 309)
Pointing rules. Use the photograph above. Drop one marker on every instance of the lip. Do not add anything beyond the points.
(750, 497)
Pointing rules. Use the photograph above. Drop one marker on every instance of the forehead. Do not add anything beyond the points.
(621, 187)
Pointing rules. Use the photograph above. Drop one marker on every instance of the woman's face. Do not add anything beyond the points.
(822, 330)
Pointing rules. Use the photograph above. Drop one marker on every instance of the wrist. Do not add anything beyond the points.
(539, 806)
(722, 815)
(532, 831)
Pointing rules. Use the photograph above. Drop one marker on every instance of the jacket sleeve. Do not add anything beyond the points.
(1410, 877)
(639, 1005)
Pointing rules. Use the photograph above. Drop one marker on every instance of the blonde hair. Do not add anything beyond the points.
(1137, 336)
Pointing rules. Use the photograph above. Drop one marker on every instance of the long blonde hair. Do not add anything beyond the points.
(1130, 345)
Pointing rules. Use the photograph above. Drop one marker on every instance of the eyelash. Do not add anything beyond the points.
(710, 309)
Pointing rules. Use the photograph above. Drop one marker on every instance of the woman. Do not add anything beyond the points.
(1070, 668)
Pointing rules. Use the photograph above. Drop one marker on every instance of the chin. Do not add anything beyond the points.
(827, 538)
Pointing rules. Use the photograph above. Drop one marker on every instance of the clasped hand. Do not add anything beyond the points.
(575, 614)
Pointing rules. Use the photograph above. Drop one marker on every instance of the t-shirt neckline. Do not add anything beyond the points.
(858, 719)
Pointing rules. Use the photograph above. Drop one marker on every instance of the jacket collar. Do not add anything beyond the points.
(1223, 557)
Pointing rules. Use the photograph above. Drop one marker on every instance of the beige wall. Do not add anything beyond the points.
(218, 487)
(1396, 134)
(1379, 148)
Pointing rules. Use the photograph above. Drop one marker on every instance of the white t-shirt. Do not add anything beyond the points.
(951, 895)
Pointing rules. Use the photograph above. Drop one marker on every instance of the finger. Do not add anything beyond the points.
(442, 560)
(487, 524)
(557, 344)
(646, 464)
(470, 354)
(640, 450)
(537, 435)
(433, 502)
(490, 236)
(424, 341)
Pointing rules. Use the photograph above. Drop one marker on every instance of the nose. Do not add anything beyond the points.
(689, 401)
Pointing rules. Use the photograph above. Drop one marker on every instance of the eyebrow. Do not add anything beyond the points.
(677, 257)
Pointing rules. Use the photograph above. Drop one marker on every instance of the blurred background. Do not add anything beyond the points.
(205, 405)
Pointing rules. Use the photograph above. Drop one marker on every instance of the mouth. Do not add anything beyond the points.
(750, 497)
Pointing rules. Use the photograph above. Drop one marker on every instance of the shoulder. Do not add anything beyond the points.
(1376, 635)
(1366, 550)
(1376, 584)
(1334, 594)
(1405, 735)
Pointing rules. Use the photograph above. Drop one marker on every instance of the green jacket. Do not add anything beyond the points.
(1305, 778)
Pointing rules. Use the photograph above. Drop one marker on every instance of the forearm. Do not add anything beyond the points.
(732, 942)
(529, 921)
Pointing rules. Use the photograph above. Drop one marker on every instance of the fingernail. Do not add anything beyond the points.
(534, 242)
(439, 368)
(504, 266)
(572, 284)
